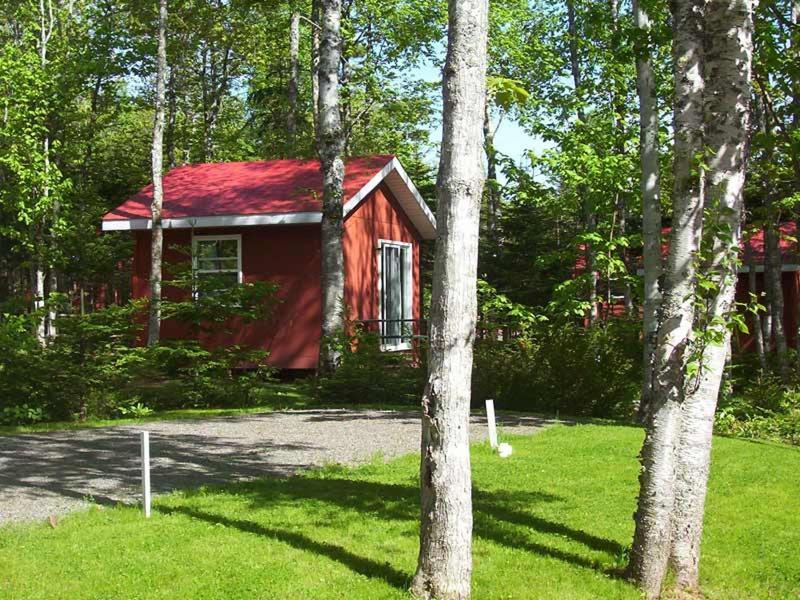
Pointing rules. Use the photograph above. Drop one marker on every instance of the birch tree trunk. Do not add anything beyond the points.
(651, 200)
(492, 192)
(752, 284)
(331, 143)
(315, 33)
(651, 542)
(774, 289)
(157, 241)
(46, 326)
(37, 285)
(294, 77)
(587, 212)
(728, 56)
(444, 567)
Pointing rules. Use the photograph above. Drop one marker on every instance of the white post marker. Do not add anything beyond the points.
(492, 425)
(146, 473)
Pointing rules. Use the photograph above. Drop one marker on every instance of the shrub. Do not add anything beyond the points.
(562, 368)
(761, 408)
(368, 375)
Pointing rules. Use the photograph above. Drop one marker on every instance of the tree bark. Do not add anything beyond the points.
(752, 284)
(172, 115)
(444, 567)
(492, 191)
(157, 241)
(315, 34)
(294, 77)
(728, 56)
(587, 211)
(651, 542)
(331, 144)
(37, 286)
(651, 200)
(774, 288)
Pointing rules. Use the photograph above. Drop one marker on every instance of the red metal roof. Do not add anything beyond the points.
(754, 240)
(246, 188)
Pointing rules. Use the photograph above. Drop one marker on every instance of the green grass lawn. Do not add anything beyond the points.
(552, 521)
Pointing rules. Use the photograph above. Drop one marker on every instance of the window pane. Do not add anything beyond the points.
(217, 248)
(227, 248)
(205, 249)
(394, 290)
(218, 264)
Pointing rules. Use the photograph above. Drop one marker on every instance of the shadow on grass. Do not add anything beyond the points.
(503, 518)
(357, 564)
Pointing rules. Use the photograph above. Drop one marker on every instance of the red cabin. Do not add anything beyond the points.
(261, 221)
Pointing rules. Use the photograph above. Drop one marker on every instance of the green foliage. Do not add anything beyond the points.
(368, 375)
(562, 368)
(94, 368)
(761, 407)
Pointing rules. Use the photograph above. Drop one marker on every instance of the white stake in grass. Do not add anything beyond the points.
(146, 473)
(492, 425)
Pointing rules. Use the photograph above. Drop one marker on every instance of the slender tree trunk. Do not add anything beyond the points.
(651, 542)
(587, 210)
(752, 284)
(492, 191)
(37, 286)
(728, 55)
(795, 55)
(774, 287)
(172, 115)
(157, 242)
(294, 77)
(651, 200)
(315, 35)
(621, 201)
(444, 567)
(46, 328)
(331, 143)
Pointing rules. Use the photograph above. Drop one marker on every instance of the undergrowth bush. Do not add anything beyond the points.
(368, 375)
(761, 406)
(562, 368)
(94, 368)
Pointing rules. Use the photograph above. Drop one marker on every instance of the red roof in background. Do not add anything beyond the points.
(246, 188)
(755, 242)
(788, 243)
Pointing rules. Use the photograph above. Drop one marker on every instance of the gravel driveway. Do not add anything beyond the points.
(52, 473)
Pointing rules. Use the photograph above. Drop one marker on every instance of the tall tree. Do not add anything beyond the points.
(294, 79)
(728, 59)
(444, 566)
(157, 158)
(331, 147)
(588, 212)
(651, 197)
(651, 543)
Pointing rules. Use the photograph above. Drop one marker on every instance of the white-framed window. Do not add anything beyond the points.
(217, 258)
(395, 294)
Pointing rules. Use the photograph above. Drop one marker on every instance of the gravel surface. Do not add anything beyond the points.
(43, 474)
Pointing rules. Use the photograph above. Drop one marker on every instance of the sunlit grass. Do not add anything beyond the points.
(552, 521)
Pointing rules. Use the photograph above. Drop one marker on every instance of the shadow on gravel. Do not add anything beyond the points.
(103, 465)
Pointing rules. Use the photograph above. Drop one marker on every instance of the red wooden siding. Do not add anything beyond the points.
(790, 280)
(287, 255)
(290, 256)
(377, 218)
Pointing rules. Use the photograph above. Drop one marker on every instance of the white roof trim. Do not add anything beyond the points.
(415, 207)
(295, 218)
(401, 186)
